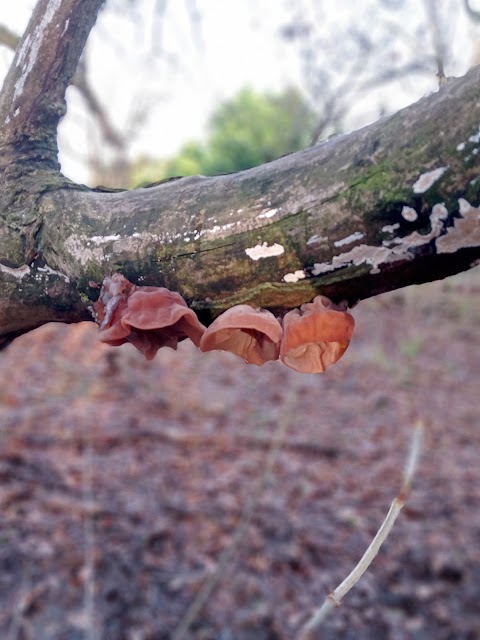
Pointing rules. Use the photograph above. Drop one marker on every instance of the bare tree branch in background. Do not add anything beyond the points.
(474, 15)
(439, 44)
(110, 134)
(342, 63)
(116, 172)
(8, 38)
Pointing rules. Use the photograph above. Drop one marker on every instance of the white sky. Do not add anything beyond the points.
(235, 46)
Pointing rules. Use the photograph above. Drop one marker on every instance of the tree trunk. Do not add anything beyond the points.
(384, 207)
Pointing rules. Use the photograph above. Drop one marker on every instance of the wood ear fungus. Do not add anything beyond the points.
(252, 334)
(315, 336)
(311, 339)
(148, 317)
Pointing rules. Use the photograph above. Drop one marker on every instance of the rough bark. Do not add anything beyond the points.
(81, 82)
(384, 207)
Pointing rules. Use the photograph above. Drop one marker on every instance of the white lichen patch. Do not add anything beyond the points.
(217, 231)
(51, 272)
(261, 251)
(426, 180)
(464, 206)
(78, 247)
(104, 239)
(391, 228)
(19, 272)
(358, 235)
(438, 215)
(362, 254)
(465, 231)
(409, 214)
(397, 249)
(316, 238)
(323, 267)
(84, 250)
(20, 62)
(28, 53)
(476, 137)
(416, 239)
(268, 213)
(295, 276)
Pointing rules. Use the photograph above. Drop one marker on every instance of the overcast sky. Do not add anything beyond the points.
(233, 44)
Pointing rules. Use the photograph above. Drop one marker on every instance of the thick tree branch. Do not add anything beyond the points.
(33, 96)
(384, 207)
(80, 81)
(348, 218)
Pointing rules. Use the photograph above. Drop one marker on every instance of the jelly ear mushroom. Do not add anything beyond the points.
(111, 306)
(147, 317)
(252, 334)
(316, 335)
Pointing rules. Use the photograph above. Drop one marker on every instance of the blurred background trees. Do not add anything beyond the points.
(199, 87)
(243, 132)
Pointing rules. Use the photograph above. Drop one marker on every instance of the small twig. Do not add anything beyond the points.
(439, 43)
(310, 630)
(184, 438)
(29, 595)
(8, 38)
(89, 537)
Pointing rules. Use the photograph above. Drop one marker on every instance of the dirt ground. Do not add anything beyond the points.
(123, 482)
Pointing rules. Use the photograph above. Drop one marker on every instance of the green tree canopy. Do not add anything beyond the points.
(245, 131)
(253, 128)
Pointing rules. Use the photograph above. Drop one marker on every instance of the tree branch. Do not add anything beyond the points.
(80, 81)
(336, 218)
(8, 38)
(384, 207)
(33, 96)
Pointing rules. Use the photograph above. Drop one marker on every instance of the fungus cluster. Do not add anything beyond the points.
(148, 317)
(308, 339)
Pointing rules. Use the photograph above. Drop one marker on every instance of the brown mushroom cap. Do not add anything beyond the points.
(315, 336)
(155, 308)
(148, 317)
(252, 334)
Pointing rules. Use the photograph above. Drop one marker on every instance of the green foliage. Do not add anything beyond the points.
(189, 161)
(255, 128)
(246, 131)
(146, 171)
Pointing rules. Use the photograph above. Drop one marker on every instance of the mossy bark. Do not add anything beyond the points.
(348, 218)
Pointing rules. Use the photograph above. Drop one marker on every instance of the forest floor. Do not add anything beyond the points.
(126, 484)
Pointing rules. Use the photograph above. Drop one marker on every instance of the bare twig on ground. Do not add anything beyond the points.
(174, 435)
(310, 631)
